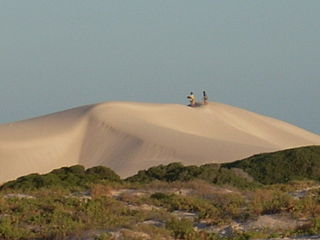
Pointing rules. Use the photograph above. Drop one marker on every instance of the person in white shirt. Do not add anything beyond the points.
(192, 99)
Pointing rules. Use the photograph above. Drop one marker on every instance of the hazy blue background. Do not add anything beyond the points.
(260, 55)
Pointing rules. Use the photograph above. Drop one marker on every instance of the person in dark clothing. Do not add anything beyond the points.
(205, 98)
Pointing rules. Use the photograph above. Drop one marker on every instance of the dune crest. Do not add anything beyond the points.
(128, 137)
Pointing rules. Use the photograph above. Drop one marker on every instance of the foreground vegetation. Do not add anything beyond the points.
(168, 202)
(67, 177)
(283, 166)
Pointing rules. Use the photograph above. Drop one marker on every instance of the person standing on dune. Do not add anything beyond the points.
(205, 98)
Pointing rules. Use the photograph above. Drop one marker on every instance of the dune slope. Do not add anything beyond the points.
(128, 137)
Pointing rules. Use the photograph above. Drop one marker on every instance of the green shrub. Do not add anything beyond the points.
(161, 196)
(68, 177)
(282, 166)
(11, 230)
(180, 228)
(171, 172)
(265, 201)
(104, 236)
(101, 173)
(211, 173)
(200, 206)
(65, 171)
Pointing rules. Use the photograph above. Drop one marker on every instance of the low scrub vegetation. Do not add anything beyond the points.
(68, 177)
(283, 166)
(212, 173)
(167, 201)
(56, 213)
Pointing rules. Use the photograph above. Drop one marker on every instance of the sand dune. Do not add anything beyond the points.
(128, 137)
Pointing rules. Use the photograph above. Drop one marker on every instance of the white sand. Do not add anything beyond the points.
(128, 137)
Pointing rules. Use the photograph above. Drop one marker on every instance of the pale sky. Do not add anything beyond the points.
(263, 56)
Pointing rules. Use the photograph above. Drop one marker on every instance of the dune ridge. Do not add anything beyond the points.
(128, 137)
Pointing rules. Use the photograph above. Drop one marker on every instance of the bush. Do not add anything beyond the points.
(68, 177)
(9, 230)
(282, 166)
(202, 207)
(211, 173)
(180, 228)
(265, 201)
(171, 172)
(101, 173)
